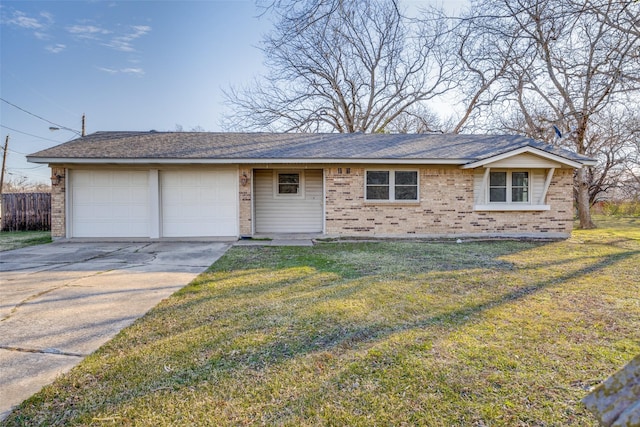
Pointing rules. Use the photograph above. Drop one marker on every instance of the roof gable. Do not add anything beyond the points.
(528, 157)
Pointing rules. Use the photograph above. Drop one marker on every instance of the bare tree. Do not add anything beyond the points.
(631, 177)
(612, 138)
(343, 66)
(569, 67)
(483, 54)
(21, 184)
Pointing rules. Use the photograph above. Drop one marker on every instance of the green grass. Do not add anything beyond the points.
(19, 239)
(497, 333)
(610, 227)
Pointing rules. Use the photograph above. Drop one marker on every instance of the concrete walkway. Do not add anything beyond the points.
(60, 302)
(275, 242)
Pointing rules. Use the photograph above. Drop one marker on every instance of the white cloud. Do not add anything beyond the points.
(89, 32)
(47, 16)
(41, 36)
(124, 43)
(57, 48)
(137, 71)
(20, 19)
(40, 25)
(141, 30)
(108, 70)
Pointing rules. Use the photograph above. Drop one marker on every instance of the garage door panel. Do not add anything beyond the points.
(129, 212)
(199, 203)
(123, 196)
(110, 203)
(83, 195)
(138, 194)
(190, 195)
(84, 211)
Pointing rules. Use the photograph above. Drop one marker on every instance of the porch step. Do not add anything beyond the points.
(274, 242)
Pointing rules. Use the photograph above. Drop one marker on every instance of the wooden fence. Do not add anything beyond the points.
(26, 212)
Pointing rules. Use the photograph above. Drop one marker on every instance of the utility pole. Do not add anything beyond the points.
(4, 161)
(83, 133)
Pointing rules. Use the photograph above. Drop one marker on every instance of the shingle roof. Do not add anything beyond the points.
(296, 147)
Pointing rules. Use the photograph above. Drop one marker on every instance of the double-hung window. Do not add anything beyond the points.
(386, 185)
(509, 187)
(288, 183)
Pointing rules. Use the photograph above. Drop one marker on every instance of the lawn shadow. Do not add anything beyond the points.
(283, 304)
(295, 302)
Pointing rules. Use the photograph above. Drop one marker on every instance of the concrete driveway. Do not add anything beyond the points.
(60, 302)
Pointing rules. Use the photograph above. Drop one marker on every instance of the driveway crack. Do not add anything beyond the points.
(47, 291)
(57, 267)
(30, 298)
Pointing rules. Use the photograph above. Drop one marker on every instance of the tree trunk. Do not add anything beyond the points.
(584, 207)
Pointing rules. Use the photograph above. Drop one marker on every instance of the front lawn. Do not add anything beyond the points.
(495, 333)
(19, 239)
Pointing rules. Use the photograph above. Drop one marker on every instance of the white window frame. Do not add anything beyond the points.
(392, 186)
(484, 203)
(276, 182)
(509, 187)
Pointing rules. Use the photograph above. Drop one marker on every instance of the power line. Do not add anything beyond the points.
(26, 169)
(16, 174)
(39, 117)
(29, 134)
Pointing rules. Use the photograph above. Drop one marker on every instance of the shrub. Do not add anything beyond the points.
(619, 209)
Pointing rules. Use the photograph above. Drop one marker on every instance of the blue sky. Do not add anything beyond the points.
(127, 65)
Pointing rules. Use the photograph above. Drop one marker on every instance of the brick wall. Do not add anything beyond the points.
(245, 200)
(445, 207)
(58, 213)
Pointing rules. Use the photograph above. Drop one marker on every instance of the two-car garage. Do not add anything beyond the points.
(152, 203)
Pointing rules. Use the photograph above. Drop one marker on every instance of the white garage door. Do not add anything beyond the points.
(199, 203)
(110, 203)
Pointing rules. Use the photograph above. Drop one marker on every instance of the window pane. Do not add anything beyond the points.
(498, 195)
(288, 188)
(406, 178)
(288, 183)
(520, 194)
(407, 193)
(498, 179)
(520, 179)
(377, 192)
(377, 177)
(289, 178)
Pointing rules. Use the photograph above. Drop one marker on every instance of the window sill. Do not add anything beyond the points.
(511, 207)
(392, 202)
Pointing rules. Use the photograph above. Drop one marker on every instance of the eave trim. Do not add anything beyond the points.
(139, 161)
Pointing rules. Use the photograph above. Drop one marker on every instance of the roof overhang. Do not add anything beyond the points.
(531, 150)
(139, 161)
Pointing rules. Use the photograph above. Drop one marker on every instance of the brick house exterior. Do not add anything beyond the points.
(442, 210)
(382, 186)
